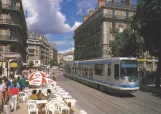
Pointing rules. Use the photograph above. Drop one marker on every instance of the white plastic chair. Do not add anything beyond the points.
(63, 106)
(32, 108)
(23, 96)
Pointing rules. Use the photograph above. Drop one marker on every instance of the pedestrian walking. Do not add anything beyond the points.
(23, 82)
(54, 77)
(14, 93)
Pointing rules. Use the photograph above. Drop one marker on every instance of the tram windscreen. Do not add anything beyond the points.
(128, 68)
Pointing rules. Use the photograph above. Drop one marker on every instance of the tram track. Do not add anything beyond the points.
(115, 105)
(146, 100)
(103, 99)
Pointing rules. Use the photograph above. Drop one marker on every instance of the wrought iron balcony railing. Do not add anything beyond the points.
(10, 54)
(9, 6)
(8, 38)
(8, 21)
(119, 17)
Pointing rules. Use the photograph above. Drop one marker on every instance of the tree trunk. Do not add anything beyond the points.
(157, 81)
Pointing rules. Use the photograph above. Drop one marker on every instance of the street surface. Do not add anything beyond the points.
(96, 102)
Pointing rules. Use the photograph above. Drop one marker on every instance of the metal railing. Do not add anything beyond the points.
(8, 38)
(10, 54)
(118, 17)
(8, 21)
(5, 21)
(9, 6)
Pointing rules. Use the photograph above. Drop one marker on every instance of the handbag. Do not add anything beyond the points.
(5, 109)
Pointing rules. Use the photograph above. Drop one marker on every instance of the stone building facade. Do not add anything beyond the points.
(40, 50)
(99, 28)
(13, 37)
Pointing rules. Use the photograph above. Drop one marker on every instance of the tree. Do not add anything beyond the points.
(147, 22)
(31, 64)
(124, 45)
(53, 63)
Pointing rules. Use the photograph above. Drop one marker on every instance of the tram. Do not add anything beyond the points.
(110, 74)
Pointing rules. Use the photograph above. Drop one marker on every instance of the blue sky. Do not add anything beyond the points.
(57, 19)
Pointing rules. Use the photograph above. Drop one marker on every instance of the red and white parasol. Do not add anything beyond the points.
(37, 75)
(41, 80)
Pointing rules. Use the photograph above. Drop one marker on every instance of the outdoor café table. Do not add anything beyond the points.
(38, 102)
(66, 97)
(62, 93)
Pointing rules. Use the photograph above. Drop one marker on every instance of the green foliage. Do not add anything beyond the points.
(147, 22)
(31, 63)
(53, 63)
(124, 45)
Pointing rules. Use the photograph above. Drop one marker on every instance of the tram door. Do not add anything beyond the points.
(73, 73)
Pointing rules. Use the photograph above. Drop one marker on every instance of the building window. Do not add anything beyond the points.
(127, 14)
(109, 70)
(113, 13)
(99, 69)
(116, 75)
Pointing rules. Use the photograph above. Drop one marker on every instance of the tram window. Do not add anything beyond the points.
(99, 69)
(116, 75)
(109, 70)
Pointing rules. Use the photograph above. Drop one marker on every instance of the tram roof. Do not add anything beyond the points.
(102, 59)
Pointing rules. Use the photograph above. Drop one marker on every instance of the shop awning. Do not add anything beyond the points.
(13, 65)
(1, 64)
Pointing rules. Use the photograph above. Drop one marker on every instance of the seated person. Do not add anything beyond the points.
(39, 95)
(33, 96)
(49, 94)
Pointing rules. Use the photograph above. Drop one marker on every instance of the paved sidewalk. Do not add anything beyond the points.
(150, 88)
(23, 110)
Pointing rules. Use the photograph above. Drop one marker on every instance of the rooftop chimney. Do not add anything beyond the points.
(114, 1)
(85, 18)
(126, 1)
(91, 12)
(101, 3)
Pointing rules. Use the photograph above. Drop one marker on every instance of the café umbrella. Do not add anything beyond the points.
(41, 80)
(37, 75)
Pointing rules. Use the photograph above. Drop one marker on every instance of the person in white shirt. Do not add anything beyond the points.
(2, 85)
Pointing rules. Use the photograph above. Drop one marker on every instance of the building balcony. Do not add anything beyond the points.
(8, 38)
(31, 54)
(117, 17)
(8, 22)
(10, 7)
(10, 54)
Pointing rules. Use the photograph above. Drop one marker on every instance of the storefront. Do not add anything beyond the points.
(147, 64)
(13, 67)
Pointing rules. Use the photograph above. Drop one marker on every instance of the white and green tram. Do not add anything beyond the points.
(110, 74)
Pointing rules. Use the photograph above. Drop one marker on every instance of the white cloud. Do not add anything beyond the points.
(85, 5)
(68, 50)
(76, 25)
(44, 16)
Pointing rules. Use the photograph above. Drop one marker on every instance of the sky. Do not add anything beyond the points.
(57, 19)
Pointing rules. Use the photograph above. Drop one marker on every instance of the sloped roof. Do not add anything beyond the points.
(70, 53)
